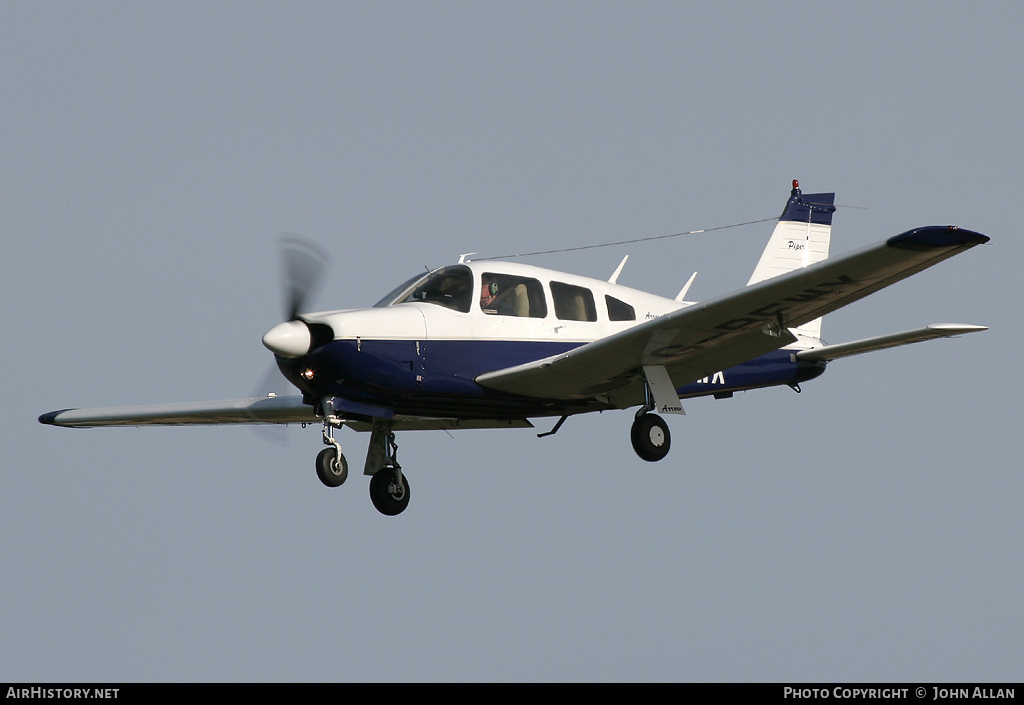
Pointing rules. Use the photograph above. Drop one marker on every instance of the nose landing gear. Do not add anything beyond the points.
(331, 466)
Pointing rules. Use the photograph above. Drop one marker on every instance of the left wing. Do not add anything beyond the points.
(260, 410)
(697, 341)
(280, 410)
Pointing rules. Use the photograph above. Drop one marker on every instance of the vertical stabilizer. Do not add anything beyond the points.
(800, 238)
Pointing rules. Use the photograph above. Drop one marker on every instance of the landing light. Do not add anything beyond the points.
(307, 374)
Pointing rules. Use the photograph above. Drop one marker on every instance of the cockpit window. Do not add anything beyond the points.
(451, 287)
(510, 295)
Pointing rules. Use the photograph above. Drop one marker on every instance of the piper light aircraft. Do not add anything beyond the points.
(492, 344)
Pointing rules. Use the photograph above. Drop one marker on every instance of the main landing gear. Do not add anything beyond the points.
(389, 488)
(650, 436)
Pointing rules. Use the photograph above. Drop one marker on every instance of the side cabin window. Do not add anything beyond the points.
(451, 287)
(510, 295)
(619, 310)
(573, 303)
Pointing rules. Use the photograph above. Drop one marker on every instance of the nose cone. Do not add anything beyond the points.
(289, 339)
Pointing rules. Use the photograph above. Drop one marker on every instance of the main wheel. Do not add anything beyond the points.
(331, 467)
(650, 437)
(388, 496)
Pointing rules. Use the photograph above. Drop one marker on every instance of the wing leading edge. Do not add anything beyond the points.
(699, 340)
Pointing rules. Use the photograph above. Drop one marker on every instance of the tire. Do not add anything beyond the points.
(651, 438)
(331, 467)
(385, 495)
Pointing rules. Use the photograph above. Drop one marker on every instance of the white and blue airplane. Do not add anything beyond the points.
(492, 344)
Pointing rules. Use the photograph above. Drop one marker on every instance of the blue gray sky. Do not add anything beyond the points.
(866, 529)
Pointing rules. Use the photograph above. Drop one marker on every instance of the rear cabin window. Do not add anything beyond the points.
(509, 295)
(619, 310)
(451, 287)
(573, 303)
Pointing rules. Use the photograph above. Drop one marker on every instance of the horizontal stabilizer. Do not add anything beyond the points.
(936, 330)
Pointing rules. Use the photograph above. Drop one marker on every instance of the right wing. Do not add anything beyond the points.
(701, 339)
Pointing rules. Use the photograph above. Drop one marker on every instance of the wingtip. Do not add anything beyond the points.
(952, 329)
(935, 236)
(50, 417)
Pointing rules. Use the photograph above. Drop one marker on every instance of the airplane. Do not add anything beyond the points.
(492, 344)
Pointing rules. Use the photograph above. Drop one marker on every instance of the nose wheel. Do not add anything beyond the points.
(331, 467)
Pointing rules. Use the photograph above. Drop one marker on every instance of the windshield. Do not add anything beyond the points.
(397, 292)
(451, 287)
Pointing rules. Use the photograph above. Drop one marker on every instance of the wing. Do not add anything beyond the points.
(699, 340)
(279, 410)
(260, 410)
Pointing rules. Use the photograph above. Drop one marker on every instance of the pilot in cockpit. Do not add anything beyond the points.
(490, 301)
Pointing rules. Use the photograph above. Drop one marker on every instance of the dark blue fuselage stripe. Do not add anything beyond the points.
(436, 377)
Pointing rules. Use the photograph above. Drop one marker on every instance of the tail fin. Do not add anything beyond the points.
(800, 238)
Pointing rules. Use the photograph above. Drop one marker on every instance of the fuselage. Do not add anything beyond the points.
(421, 348)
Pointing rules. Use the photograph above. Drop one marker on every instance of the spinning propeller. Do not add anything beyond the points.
(303, 263)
